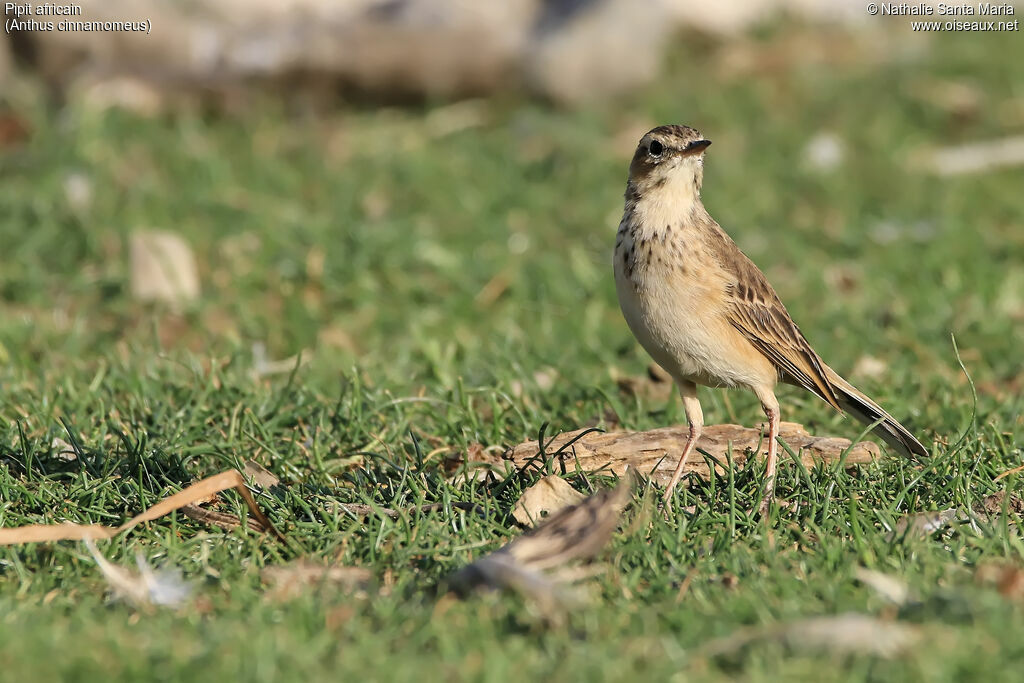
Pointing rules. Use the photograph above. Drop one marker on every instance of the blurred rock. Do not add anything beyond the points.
(733, 16)
(601, 49)
(163, 268)
(121, 92)
(390, 47)
(569, 51)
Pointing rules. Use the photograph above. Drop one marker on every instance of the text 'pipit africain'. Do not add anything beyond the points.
(705, 312)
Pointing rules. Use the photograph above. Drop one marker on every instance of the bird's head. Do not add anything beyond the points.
(669, 156)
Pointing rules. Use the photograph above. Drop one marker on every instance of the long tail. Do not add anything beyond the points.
(867, 411)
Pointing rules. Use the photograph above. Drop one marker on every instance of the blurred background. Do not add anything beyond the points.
(425, 192)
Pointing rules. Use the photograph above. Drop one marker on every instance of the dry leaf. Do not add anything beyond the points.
(14, 129)
(260, 475)
(655, 453)
(62, 450)
(544, 379)
(959, 98)
(474, 463)
(262, 366)
(1011, 583)
(993, 505)
(1008, 579)
(922, 524)
(363, 510)
(292, 580)
(843, 633)
(889, 587)
(547, 496)
(337, 337)
(1007, 473)
(68, 531)
(164, 587)
(163, 268)
(222, 520)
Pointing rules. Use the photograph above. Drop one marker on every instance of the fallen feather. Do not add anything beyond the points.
(164, 587)
(535, 564)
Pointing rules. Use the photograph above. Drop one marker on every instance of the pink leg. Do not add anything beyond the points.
(695, 418)
(770, 405)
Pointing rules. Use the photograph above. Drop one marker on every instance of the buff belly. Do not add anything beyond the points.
(675, 320)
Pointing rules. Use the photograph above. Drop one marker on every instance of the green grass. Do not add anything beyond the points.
(426, 279)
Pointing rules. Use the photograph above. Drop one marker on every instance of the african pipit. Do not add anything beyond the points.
(704, 311)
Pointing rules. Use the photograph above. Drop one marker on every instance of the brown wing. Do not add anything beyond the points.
(756, 310)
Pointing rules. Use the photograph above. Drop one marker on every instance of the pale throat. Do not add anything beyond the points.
(666, 202)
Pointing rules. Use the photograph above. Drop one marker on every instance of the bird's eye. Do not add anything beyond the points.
(656, 148)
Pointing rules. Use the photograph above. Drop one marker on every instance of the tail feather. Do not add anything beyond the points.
(867, 411)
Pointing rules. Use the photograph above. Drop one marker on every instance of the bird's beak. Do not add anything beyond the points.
(696, 147)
